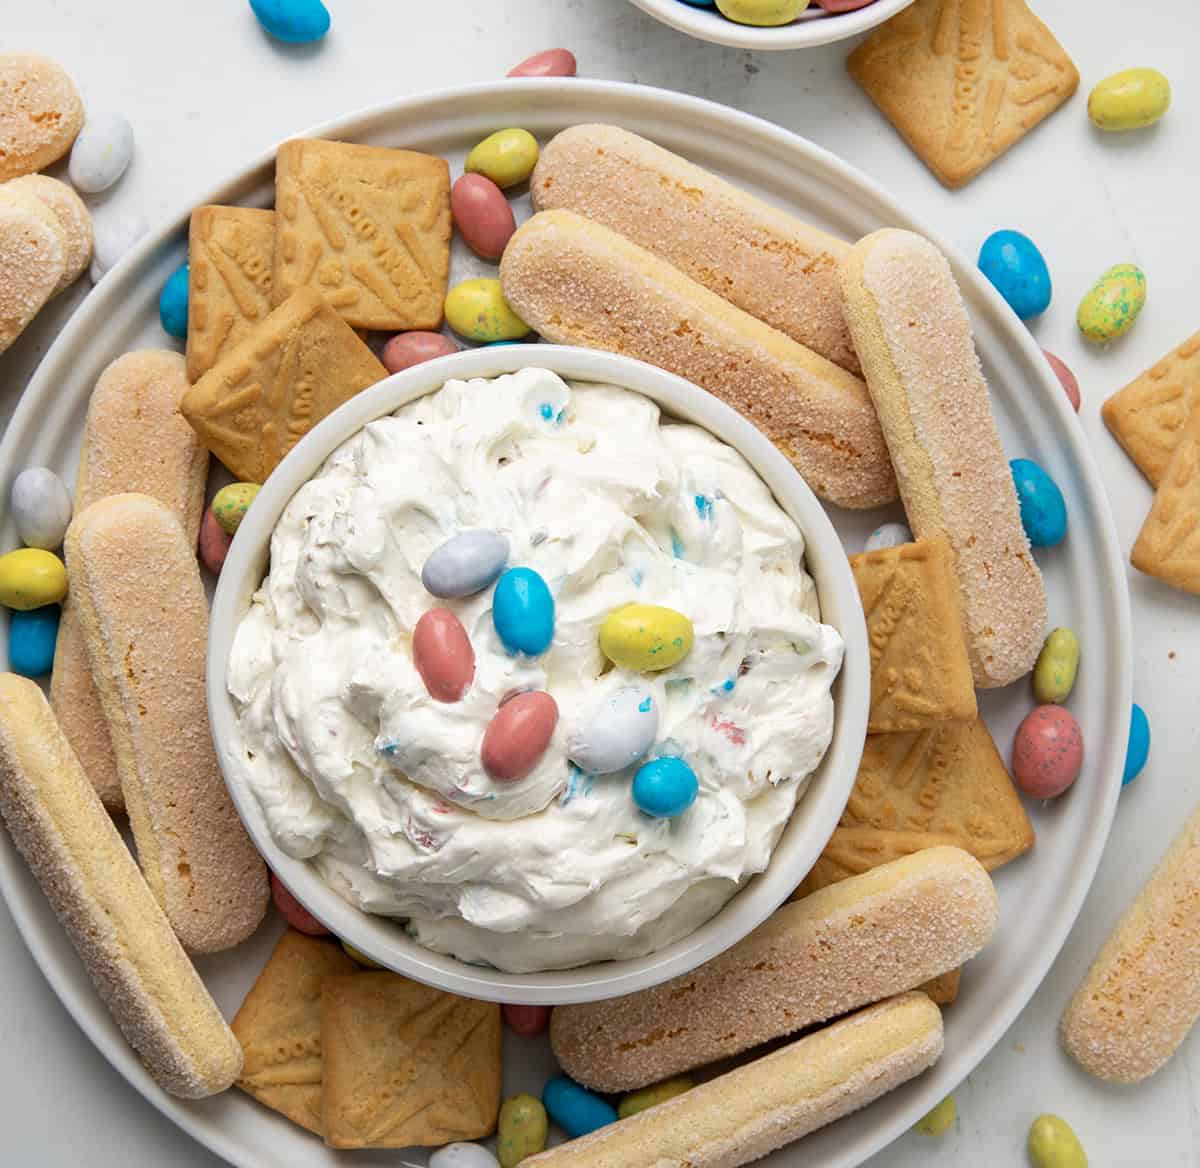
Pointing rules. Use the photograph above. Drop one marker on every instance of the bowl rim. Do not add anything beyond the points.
(707, 24)
(811, 824)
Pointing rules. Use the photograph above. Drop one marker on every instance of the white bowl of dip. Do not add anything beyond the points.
(810, 825)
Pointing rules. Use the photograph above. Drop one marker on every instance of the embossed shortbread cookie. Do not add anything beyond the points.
(33, 250)
(270, 389)
(367, 227)
(279, 1027)
(1168, 546)
(963, 80)
(40, 113)
(405, 1064)
(231, 253)
(1146, 416)
(73, 217)
(920, 672)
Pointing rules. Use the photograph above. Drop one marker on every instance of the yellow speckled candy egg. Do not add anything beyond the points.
(1112, 303)
(646, 637)
(764, 13)
(1129, 100)
(507, 157)
(476, 309)
(231, 504)
(31, 578)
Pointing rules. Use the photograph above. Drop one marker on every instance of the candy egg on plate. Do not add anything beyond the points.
(41, 508)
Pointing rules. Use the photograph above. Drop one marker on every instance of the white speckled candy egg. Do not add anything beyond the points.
(41, 508)
(101, 153)
(114, 236)
(615, 732)
(888, 536)
(463, 1156)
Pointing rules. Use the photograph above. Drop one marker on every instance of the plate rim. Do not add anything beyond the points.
(91, 313)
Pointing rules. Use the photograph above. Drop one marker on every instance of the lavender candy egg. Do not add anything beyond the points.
(41, 508)
(615, 732)
(465, 564)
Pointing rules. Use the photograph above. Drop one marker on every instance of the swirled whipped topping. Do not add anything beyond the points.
(358, 769)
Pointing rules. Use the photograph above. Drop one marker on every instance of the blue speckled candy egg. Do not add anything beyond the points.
(31, 639)
(465, 564)
(575, 1109)
(615, 732)
(888, 535)
(173, 303)
(295, 22)
(1043, 510)
(523, 612)
(41, 508)
(1012, 262)
(665, 787)
(1138, 749)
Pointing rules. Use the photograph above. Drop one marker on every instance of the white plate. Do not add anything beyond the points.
(1040, 894)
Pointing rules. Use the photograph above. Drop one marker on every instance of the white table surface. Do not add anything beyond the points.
(206, 91)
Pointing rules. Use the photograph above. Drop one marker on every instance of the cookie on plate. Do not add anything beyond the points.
(34, 249)
(72, 214)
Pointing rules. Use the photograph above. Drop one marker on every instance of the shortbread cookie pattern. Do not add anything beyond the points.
(1147, 415)
(748, 1112)
(367, 227)
(40, 113)
(1141, 997)
(913, 336)
(279, 1027)
(405, 1064)
(763, 260)
(870, 936)
(136, 590)
(920, 671)
(269, 390)
(1168, 546)
(73, 217)
(34, 247)
(231, 254)
(963, 80)
(94, 887)
(578, 283)
(134, 439)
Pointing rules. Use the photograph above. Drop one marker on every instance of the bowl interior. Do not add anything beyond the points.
(817, 812)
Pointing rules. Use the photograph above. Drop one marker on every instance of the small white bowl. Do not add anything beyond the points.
(817, 813)
(815, 27)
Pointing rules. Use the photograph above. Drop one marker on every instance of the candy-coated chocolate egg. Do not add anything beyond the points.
(32, 637)
(523, 612)
(575, 1109)
(101, 153)
(361, 958)
(665, 787)
(465, 564)
(888, 535)
(482, 215)
(1047, 752)
(1043, 509)
(842, 5)
(762, 13)
(615, 732)
(646, 637)
(1052, 1144)
(476, 309)
(30, 578)
(652, 1096)
(1016, 269)
(214, 543)
(521, 1130)
(405, 350)
(507, 157)
(293, 911)
(113, 234)
(1112, 304)
(547, 63)
(1129, 100)
(173, 304)
(1068, 380)
(518, 734)
(41, 508)
(231, 504)
(295, 22)
(939, 1120)
(1138, 749)
(443, 655)
(526, 1019)
(1056, 668)
(463, 1156)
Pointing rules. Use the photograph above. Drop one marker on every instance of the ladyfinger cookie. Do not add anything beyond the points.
(763, 260)
(852, 943)
(748, 1112)
(578, 283)
(913, 336)
(134, 439)
(125, 942)
(1142, 994)
(137, 593)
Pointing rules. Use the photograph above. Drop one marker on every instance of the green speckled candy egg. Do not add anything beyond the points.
(1112, 303)
(521, 1130)
(476, 309)
(231, 504)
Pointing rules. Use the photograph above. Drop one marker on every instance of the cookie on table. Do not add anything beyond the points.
(963, 80)
(73, 217)
(40, 113)
(34, 250)
(367, 227)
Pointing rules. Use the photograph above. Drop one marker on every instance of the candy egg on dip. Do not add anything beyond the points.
(763, 13)
(615, 732)
(295, 22)
(523, 612)
(405, 350)
(443, 655)
(465, 564)
(482, 215)
(665, 787)
(646, 637)
(1047, 752)
(41, 508)
(1129, 100)
(517, 737)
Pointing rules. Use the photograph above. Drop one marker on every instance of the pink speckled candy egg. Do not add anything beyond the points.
(405, 350)
(1069, 382)
(1047, 752)
(294, 912)
(526, 1019)
(214, 542)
